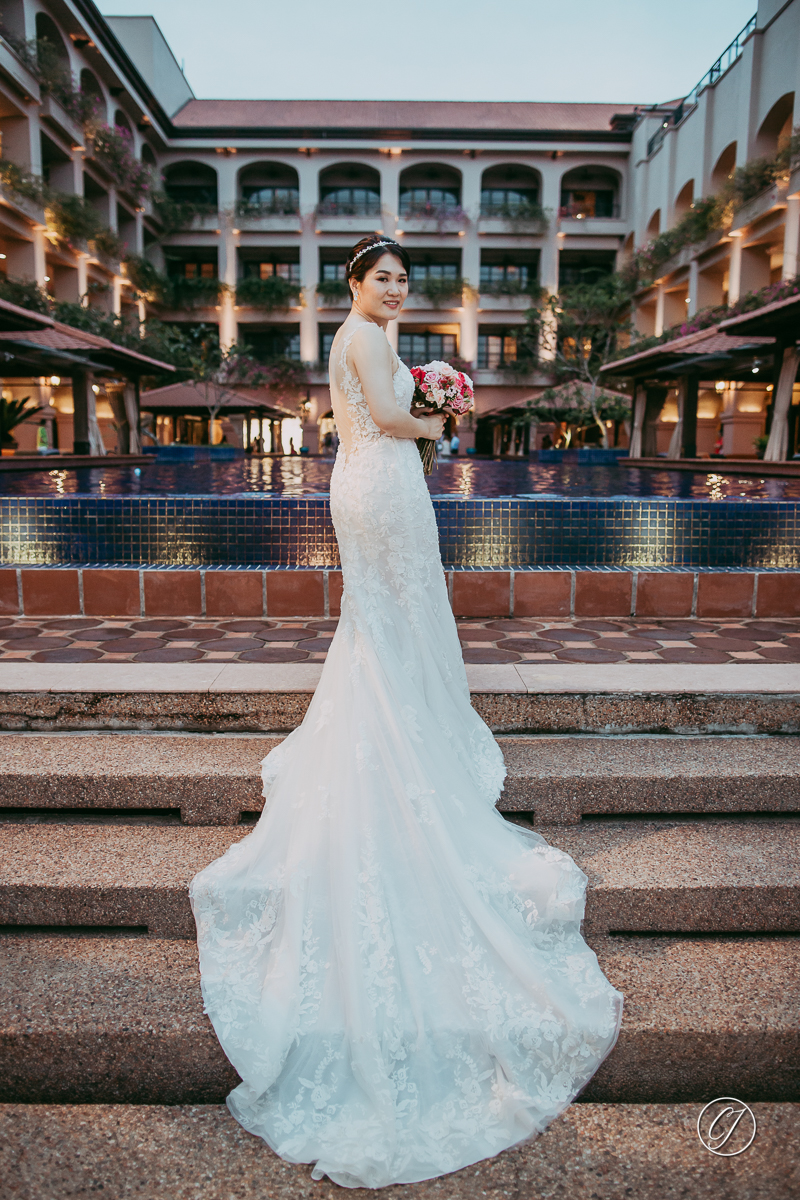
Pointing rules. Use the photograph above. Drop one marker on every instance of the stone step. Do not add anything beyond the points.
(214, 779)
(105, 1020)
(511, 697)
(727, 876)
(198, 1152)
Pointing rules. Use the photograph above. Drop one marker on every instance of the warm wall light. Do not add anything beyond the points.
(720, 385)
(95, 389)
(236, 232)
(397, 233)
(55, 380)
(47, 278)
(2, 255)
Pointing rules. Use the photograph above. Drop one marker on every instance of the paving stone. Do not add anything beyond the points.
(691, 654)
(193, 633)
(513, 626)
(96, 635)
(14, 633)
(601, 626)
(173, 655)
(199, 1152)
(588, 654)
(233, 644)
(163, 623)
(530, 645)
(488, 654)
(571, 635)
(254, 626)
(724, 643)
(133, 645)
(39, 643)
(72, 623)
(323, 626)
(626, 645)
(72, 654)
(274, 654)
(287, 633)
(469, 633)
(780, 653)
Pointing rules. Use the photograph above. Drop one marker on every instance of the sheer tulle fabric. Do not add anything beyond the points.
(396, 973)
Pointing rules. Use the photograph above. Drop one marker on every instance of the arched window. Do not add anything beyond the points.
(684, 200)
(148, 156)
(122, 123)
(350, 190)
(590, 192)
(191, 183)
(654, 225)
(428, 188)
(726, 164)
(510, 190)
(47, 31)
(269, 188)
(90, 86)
(776, 127)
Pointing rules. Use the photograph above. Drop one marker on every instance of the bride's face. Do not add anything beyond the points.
(383, 290)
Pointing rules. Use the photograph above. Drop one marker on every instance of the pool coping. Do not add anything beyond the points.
(505, 678)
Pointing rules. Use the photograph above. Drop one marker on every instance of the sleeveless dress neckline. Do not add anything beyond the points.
(396, 972)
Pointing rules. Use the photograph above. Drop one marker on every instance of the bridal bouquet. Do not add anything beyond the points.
(439, 386)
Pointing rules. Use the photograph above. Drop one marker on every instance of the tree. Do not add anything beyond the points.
(569, 404)
(586, 325)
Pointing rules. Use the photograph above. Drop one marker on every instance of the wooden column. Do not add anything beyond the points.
(81, 392)
(689, 387)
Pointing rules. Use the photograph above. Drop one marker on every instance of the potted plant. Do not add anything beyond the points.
(12, 414)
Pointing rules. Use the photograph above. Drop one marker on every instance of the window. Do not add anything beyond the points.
(274, 199)
(502, 202)
(586, 204)
(498, 274)
(497, 350)
(422, 199)
(333, 271)
(203, 270)
(584, 266)
(351, 201)
(420, 272)
(418, 348)
(273, 343)
(266, 270)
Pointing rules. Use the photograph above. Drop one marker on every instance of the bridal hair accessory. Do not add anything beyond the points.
(366, 250)
(439, 386)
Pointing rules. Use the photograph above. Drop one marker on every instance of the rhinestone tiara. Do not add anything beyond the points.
(366, 250)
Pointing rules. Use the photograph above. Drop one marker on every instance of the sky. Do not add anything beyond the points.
(614, 51)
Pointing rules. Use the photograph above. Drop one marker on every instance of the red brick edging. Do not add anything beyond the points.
(210, 592)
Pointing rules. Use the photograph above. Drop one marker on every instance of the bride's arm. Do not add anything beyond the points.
(372, 358)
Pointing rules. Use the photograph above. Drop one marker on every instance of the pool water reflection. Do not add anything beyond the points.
(454, 477)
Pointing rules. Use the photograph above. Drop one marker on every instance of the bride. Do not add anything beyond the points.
(397, 973)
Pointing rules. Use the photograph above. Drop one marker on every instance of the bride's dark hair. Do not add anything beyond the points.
(369, 251)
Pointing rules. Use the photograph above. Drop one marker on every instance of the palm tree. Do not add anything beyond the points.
(12, 414)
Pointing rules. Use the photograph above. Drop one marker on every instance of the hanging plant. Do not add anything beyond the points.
(333, 289)
(115, 148)
(269, 294)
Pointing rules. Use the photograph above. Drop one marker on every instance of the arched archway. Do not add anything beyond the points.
(509, 189)
(590, 191)
(350, 189)
(724, 168)
(47, 31)
(122, 123)
(270, 187)
(684, 199)
(148, 155)
(654, 225)
(429, 187)
(191, 183)
(776, 127)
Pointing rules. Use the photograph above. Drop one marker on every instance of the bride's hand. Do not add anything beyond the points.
(432, 426)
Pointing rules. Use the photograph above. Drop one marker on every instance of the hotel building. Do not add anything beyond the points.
(493, 201)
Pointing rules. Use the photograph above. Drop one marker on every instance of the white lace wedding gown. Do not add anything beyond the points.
(396, 972)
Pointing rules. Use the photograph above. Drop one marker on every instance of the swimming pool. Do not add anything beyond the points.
(468, 478)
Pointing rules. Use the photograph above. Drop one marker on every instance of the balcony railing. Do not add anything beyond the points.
(586, 212)
(728, 57)
(288, 206)
(349, 208)
(515, 214)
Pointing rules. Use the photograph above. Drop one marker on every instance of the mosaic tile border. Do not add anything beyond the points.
(489, 534)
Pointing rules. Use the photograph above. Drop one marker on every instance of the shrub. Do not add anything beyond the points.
(23, 183)
(333, 289)
(73, 218)
(24, 293)
(268, 294)
(193, 293)
(147, 280)
(175, 215)
(439, 291)
(114, 147)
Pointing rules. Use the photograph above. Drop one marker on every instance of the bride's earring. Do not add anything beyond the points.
(355, 293)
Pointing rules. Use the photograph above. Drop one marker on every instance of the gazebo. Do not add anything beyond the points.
(33, 344)
(189, 399)
(683, 363)
(781, 322)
